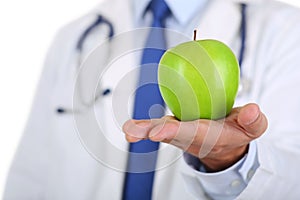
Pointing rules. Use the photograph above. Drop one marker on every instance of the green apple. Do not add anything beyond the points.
(199, 79)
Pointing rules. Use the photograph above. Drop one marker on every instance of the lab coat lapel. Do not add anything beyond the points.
(221, 21)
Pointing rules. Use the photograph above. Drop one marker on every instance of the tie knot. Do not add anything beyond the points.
(160, 11)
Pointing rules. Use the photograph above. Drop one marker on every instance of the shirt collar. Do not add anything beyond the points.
(182, 10)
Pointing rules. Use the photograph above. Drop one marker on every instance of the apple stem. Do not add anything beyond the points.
(195, 35)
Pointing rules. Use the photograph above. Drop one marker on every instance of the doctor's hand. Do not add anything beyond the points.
(218, 144)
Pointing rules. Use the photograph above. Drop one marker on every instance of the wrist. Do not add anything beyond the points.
(223, 160)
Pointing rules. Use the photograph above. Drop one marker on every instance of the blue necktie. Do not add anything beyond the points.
(148, 104)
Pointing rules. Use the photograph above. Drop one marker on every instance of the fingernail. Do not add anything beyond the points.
(136, 129)
(253, 119)
(154, 133)
(132, 124)
(143, 124)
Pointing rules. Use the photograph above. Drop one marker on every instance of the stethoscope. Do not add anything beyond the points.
(244, 83)
(79, 47)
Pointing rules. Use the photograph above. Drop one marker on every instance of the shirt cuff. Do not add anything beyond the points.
(229, 183)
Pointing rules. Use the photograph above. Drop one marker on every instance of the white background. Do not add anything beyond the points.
(27, 29)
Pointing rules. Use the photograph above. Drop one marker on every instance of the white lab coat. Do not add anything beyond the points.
(52, 162)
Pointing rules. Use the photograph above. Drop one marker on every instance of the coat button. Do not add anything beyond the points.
(235, 183)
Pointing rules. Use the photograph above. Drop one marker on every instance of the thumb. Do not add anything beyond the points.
(252, 120)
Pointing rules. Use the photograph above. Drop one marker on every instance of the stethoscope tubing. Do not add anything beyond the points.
(102, 20)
